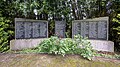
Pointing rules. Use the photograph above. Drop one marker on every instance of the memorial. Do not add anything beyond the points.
(29, 33)
(60, 28)
(27, 28)
(96, 30)
(92, 28)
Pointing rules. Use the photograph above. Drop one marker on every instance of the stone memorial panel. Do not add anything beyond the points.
(26, 28)
(85, 29)
(102, 30)
(43, 29)
(36, 29)
(76, 29)
(92, 28)
(20, 30)
(60, 28)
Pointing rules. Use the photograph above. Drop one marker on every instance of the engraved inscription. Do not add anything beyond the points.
(92, 30)
(20, 30)
(102, 30)
(77, 28)
(30, 29)
(43, 29)
(86, 29)
(60, 28)
(82, 29)
(36, 29)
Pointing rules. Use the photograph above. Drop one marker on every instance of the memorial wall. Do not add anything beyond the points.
(92, 28)
(27, 28)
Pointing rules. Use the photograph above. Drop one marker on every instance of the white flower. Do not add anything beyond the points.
(62, 16)
(35, 11)
(51, 17)
(68, 0)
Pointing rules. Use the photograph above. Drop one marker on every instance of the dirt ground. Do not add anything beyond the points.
(45, 60)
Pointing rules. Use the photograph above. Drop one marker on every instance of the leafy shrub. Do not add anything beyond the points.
(4, 34)
(55, 45)
(115, 56)
(116, 31)
(86, 49)
(117, 27)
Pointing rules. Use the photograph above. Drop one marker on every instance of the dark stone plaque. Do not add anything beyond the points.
(84, 29)
(36, 29)
(60, 28)
(43, 29)
(102, 30)
(20, 30)
(39, 29)
(91, 28)
(76, 29)
(30, 28)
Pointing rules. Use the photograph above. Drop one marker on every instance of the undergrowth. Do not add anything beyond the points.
(58, 46)
(116, 56)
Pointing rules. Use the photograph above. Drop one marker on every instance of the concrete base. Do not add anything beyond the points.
(102, 45)
(20, 44)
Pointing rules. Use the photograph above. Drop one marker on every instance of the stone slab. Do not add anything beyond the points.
(96, 28)
(102, 45)
(60, 28)
(28, 28)
(20, 44)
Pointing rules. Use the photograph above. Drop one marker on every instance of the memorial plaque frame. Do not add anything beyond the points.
(60, 28)
(28, 31)
(103, 21)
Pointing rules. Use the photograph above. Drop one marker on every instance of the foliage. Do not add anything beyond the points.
(115, 56)
(66, 10)
(86, 51)
(6, 30)
(5, 34)
(52, 10)
(117, 27)
(116, 31)
(55, 45)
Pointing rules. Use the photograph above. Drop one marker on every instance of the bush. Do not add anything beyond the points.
(55, 45)
(86, 49)
(116, 31)
(4, 34)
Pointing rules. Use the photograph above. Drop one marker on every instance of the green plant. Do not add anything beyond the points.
(117, 27)
(116, 30)
(86, 49)
(55, 45)
(115, 56)
(5, 33)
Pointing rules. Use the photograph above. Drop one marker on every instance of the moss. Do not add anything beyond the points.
(44, 60)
